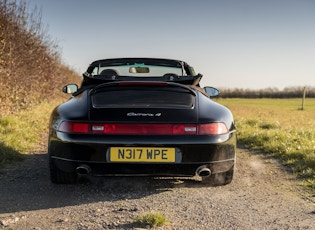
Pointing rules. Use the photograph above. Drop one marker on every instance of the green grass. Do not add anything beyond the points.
(151, 219)
(279, 128)
(24, 132)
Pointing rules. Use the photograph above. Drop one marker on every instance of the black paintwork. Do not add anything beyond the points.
(68, 151)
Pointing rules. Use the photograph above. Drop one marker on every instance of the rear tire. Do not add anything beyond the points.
(58, 176)
(219, 179)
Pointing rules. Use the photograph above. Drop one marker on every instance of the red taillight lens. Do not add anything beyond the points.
(184, 129)
(144, 129)
(74, 127)
(80, 128)
(212, 129)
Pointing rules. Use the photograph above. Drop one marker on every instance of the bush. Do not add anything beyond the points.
(30, 66)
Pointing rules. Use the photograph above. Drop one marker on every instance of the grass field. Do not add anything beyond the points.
(279, 128)
(24, 132)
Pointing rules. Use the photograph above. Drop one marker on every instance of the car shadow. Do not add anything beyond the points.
(9, 154)
(26, 186)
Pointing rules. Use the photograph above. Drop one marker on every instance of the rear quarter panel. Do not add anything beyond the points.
(210, 111)
(76, 108)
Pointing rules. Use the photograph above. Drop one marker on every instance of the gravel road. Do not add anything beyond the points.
(262, 196)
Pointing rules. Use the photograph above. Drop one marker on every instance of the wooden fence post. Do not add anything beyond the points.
(303, 99)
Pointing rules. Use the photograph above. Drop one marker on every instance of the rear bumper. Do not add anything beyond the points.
(214, 152)
(112, 169)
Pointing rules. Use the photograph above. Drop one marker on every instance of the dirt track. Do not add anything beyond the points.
(261, 196)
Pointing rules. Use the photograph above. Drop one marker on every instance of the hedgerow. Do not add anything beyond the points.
(30, 65)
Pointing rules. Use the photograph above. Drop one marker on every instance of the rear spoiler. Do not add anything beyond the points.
(141, 83)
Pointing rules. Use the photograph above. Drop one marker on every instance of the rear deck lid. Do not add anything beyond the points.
(145, 102)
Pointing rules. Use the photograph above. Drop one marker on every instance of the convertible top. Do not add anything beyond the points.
(190, 77)
(147, 61)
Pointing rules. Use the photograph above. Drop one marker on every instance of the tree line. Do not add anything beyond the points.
(288, 92)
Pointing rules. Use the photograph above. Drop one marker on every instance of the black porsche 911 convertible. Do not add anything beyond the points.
(141, 116)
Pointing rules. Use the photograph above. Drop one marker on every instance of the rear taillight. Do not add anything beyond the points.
(143, 129)
(74, 127)
(212, 129)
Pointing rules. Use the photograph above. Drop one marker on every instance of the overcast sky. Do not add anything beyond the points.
(233, 43)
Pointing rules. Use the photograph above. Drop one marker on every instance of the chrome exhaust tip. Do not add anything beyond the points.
(83, 170)
(203, 171)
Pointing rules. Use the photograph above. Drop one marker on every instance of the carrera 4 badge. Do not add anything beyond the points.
(132, 114)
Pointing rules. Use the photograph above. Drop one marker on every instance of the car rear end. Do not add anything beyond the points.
(146, 128)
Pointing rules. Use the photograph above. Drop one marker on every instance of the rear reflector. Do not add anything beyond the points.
(143, 129)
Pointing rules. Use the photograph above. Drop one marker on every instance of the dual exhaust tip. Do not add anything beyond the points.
(202, 171)
(83, 170)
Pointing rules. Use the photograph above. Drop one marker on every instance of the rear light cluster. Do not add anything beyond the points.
(143, 129)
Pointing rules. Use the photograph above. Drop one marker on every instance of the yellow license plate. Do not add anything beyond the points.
(141, 154)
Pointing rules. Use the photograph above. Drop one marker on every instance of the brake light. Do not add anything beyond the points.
(74, 127)
(212, 129)
(143, 129)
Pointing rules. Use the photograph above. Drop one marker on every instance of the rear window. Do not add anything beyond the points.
(142, 97)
